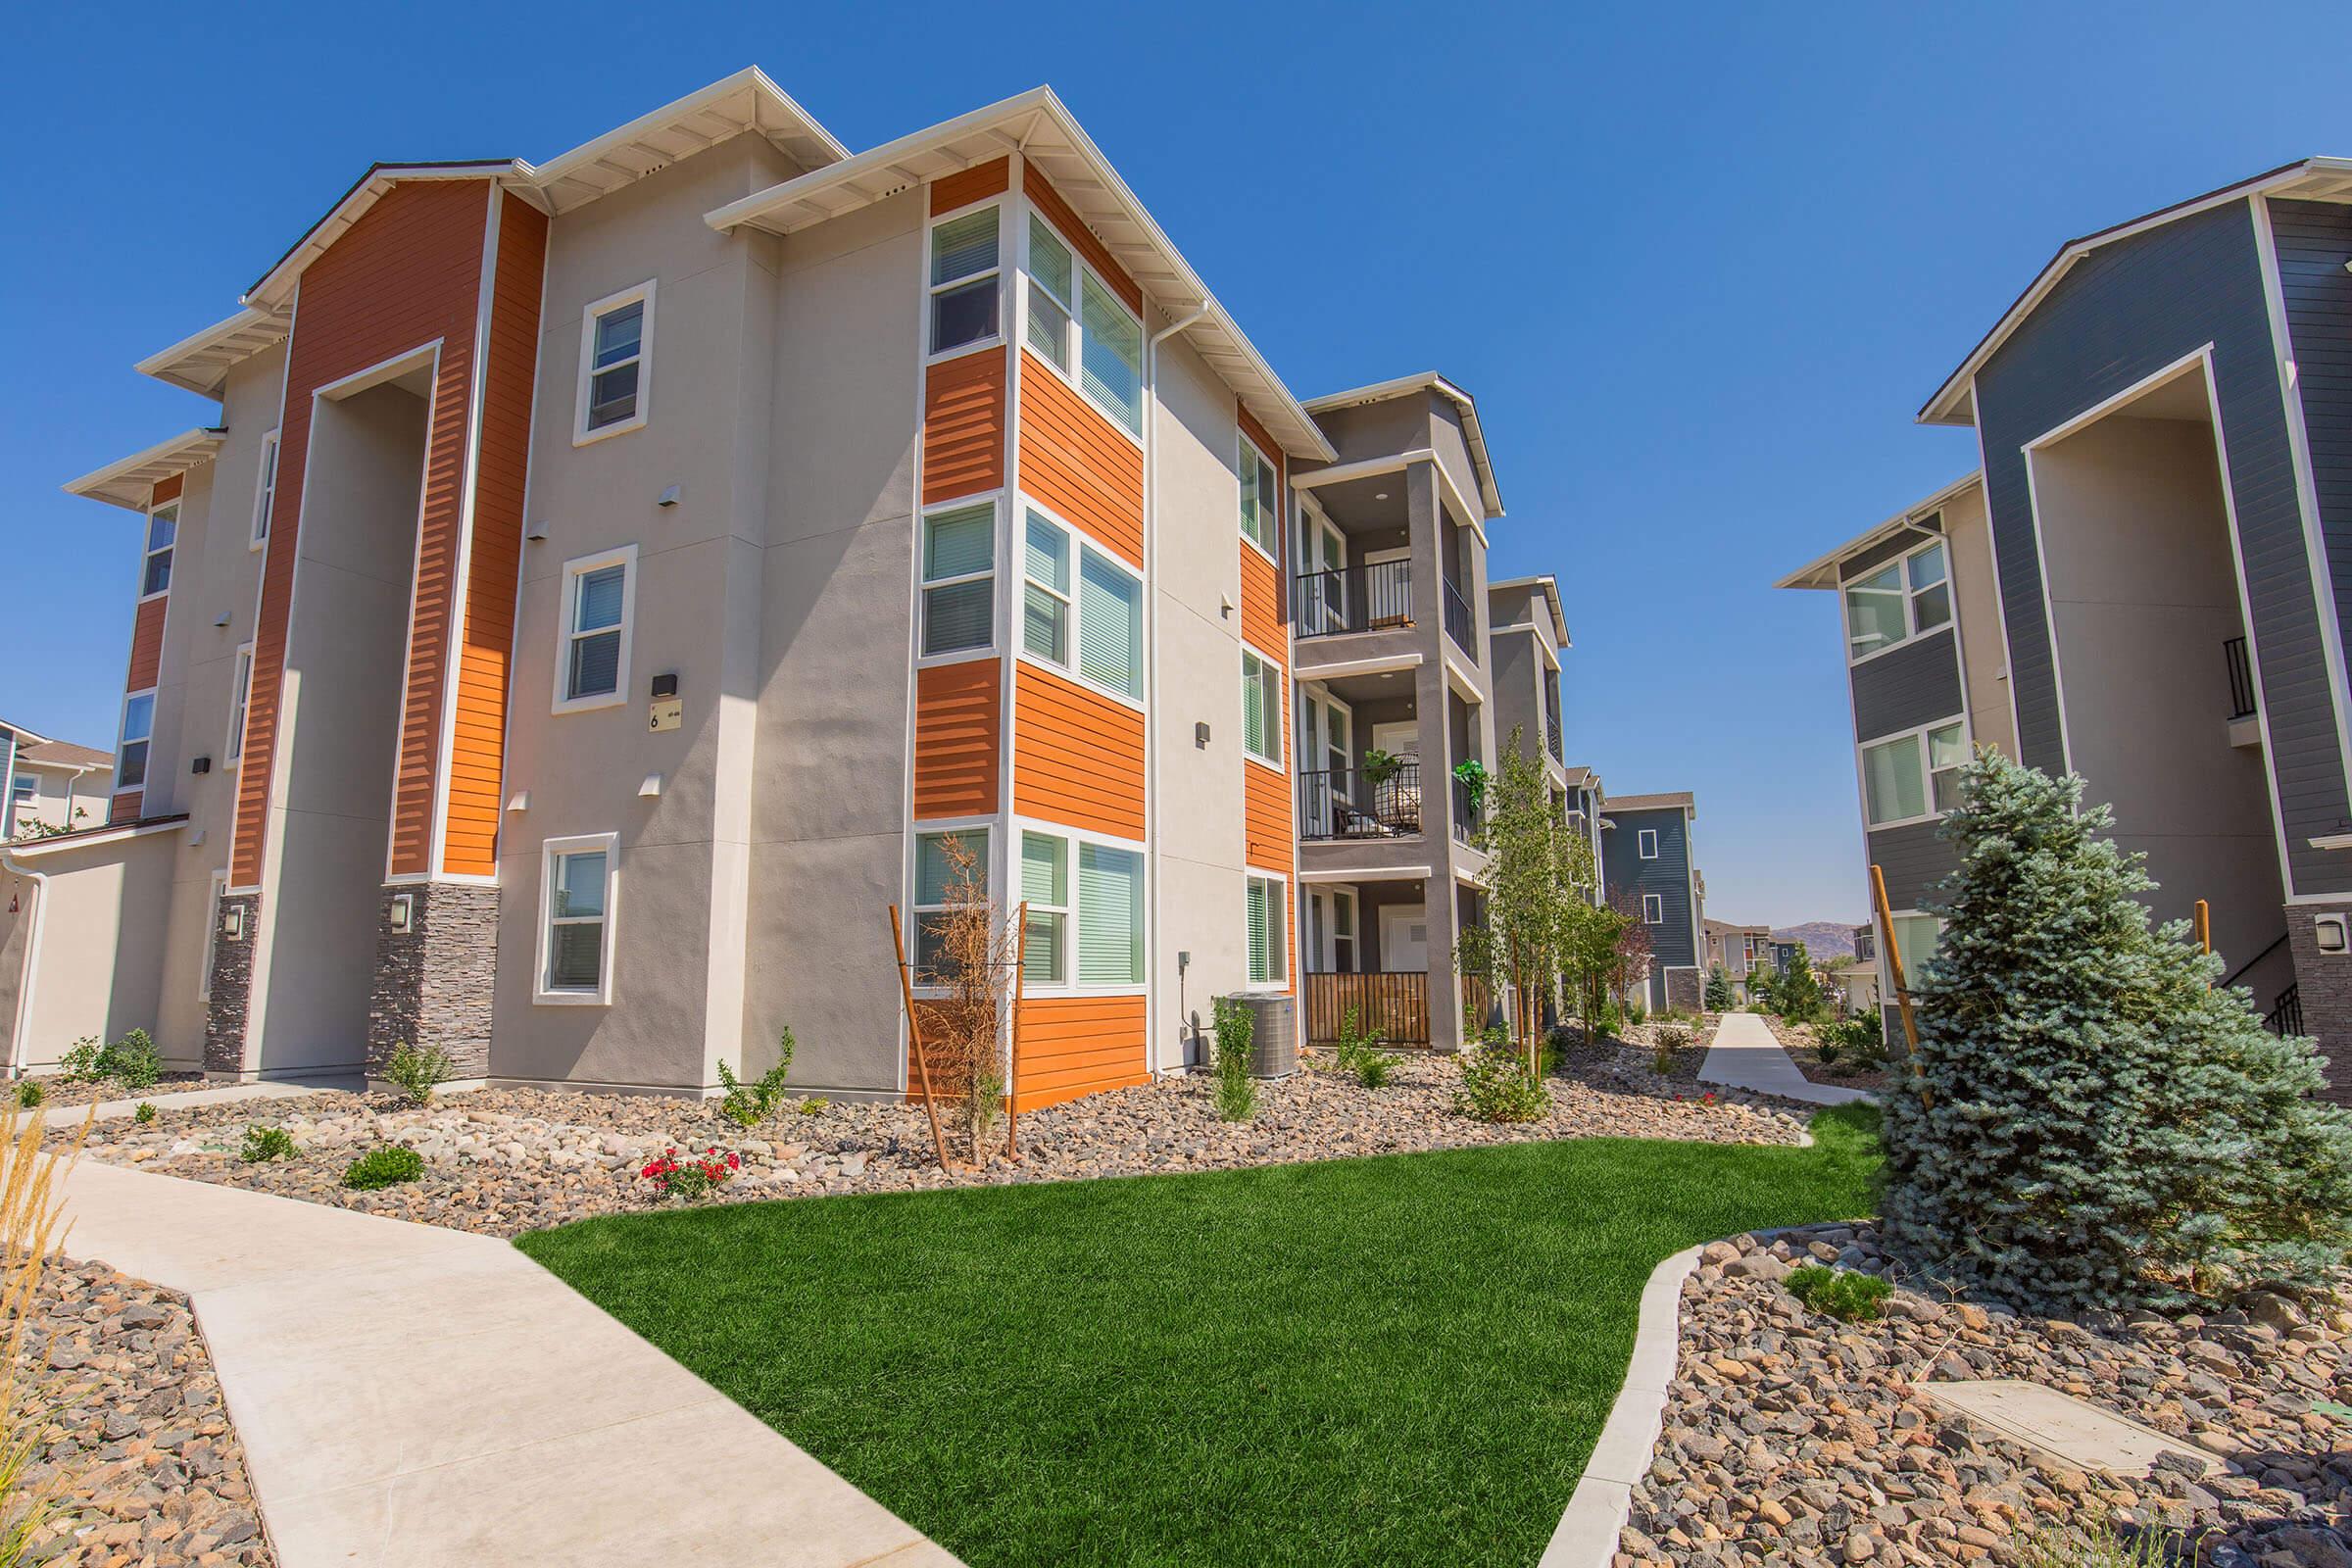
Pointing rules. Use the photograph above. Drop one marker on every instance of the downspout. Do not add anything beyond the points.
(33, 960)
(1151, 645)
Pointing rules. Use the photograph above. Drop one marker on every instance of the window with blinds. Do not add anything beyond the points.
(936, 879)
(616, 363)
(1111, 356)
(1046, 889)
(1110, 625)
(1050, 279)
(960, 559)
(1261, 708)
(963, 281)
(1268, 940)
(1046, 592)
(592, 667)
(1261, 500)
(1110, 915)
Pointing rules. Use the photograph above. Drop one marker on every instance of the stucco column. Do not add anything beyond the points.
(1426, 542)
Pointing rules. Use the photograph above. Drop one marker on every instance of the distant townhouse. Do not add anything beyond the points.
(1651, 871)
(606, 585)
(52, 785)
(1738, 950)
(2141, 582)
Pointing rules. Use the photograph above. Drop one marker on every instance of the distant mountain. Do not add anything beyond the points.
(1823, 938)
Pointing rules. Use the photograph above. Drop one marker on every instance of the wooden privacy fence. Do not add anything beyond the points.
(1392, 1006)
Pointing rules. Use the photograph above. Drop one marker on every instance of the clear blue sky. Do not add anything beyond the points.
(1700, 265)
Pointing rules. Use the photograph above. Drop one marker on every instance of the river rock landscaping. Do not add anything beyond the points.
(1803, 1042)
(154, 1475)
(509, 1160)
(1791, 1438)
(57, 1090)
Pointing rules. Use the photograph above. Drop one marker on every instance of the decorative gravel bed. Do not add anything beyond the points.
(1804, 1049)
(509, 1160)
(1791, 1438)
(155, 1475)
(57, 1091)
(1639, 1042)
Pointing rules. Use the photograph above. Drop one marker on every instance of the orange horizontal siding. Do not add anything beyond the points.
(1077, 755)
(976, 183)
(146, 645)
(959, 719)
(964, 426)
(1067, 1046)
(1078, 462)
(1040, 191)
(1263, 626)
(168, 489)
(125, 808)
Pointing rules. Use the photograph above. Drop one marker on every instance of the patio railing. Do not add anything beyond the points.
(1373, 597)
(1392, 1006)
(1346, 803)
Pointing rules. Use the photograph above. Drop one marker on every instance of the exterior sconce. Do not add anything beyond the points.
(232, 923)
(2329, 932)
(403, 914)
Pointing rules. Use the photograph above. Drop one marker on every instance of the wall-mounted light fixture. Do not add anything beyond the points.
(401, 915)
(2329, 932)
(200, 765)
(1200, 734)
(538, 533)
(232, 923)
(651, 789)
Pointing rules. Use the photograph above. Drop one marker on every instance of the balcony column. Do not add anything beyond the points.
(1430, 695)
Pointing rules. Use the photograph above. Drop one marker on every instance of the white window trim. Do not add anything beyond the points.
(240, 703)
(542, 995)
(1927, 773)
(582, 435)
(1075, 349)
(1001, 202)
(1289, 918)
(568, 609)
(1645, 844)
(1068, 909)
(1074, 837)
(996, 548)
(947, 827)
(148, 552)
(121, 718)
(265, 492)
(1912, 631)
(1079, 541)
(1282, 681)
(1886, 963)
(1653, 909)
(1243, 440)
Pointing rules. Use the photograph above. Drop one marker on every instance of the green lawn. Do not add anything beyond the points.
(1393, 1361)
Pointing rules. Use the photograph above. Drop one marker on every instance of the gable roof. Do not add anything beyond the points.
(1678, 800)
(1822, 571)
(1037, 124)
(129, 482)
(1549, 586)
(2306, 178)
(65, 754)
(1474, 434)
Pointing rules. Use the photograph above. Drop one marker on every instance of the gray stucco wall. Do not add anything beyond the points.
(1917, 683)
(2125, 312)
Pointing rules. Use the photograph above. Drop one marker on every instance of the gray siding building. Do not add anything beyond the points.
(1650, 869)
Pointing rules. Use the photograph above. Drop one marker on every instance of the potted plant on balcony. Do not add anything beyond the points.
(1472, 776)
(1381, 766)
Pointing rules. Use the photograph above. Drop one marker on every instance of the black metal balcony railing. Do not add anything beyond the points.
(2241, 679)
(1552, 737)
(1346, 802)
(1458, 622)
(1373, 597)
(2287, 1017)
(1465, 812)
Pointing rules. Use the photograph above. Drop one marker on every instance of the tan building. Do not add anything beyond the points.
(51, 786)
(608, 583)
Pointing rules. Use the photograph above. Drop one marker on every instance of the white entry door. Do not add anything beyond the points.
(1404, 938)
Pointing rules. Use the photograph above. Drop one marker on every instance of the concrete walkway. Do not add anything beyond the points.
(1745, 1056)
(418, 1396)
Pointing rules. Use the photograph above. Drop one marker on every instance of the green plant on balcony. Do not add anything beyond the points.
(1472, 776)
(1380, 766)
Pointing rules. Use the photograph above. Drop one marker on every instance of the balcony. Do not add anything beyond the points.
(1465, 812)
(1347, 802)
(1551, 738)
(1390, 1005)
(2241, 679)
(1369, 597)
(1458, 624)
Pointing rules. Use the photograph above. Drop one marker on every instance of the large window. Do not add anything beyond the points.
(1268, 940)
(1111, 367)
(600, 594)
(1916, 939)
(163, 530)
(617, 363)
(1094, 628)
(21, 805)
(963, 281)
(575, 935)
(1897, 602)
(240, 699)
(1261, 707)
(1110, 915)
(1913, 777)
(1050, 275)
(937, 881)
(960, 580)
(264, 491)
(1262, 499)
(1046, 889)
(1046, 592)
(138, 726)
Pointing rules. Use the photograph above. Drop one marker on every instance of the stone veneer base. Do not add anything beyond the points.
(2324, 983)
(231, 987)
(434, 981)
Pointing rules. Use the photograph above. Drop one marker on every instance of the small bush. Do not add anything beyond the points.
(747, 1106)
(1356, 1053)
(815, 1106)
(1829, 1048)
(416, 1073)
(1494, 1087)
(693, 1175)
(2097, 1544)
(266, 1144)
(1636, 1014)
(1236, 1090)
(81, 1064)
(145, 1112)
(132, 1061)
(1846, 1294)
(31, 1094)
(383, 1167)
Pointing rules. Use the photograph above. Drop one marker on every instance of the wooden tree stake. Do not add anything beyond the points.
(1012, 1050)
(1894, 963)
(914, 1032)
(2205, 931)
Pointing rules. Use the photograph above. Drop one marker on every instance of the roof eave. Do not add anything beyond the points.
(126, 481)
(200, 362)
(1474, 434)
(1822, 571)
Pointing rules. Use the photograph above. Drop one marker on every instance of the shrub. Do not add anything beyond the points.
(749, 1105)
(266, 1144)
(815, 1106)
(1357, 1052)
(1846, 1294)
(1494, 1087)
(1796, 993)
(1669, 1039)
(2088, 1125)
(1236, 1090)
(145, 1112)
(1636, 1014)
(81, 1064)
(29, 1093)
(1830, 1047)
(2095, 1543)
(415, 1073)
(134, 1060)
(693, 1175)
(384, 1167)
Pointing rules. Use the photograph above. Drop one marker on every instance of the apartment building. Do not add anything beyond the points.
(1738, 950)
(2142, 580)
(1650, 870)
(50, 785)
(609, 584)
(1396, 690)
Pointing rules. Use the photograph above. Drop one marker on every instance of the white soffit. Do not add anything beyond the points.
(1822, 571)
(201, 363)
(128, 482)
(1037, 125)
